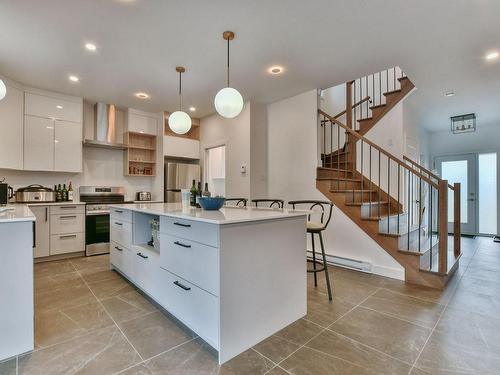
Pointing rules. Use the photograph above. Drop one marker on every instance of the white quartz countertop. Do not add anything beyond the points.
(226, 215)
(15, 213)
(73, 203)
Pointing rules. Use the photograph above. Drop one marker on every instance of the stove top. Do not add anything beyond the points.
(98, 198)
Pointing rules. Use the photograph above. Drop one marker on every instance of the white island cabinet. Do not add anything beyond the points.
(234, 276)
(16, 281)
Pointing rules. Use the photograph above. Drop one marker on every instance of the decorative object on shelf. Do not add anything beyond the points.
(228, 101)
(463, 123)
(179, 121)
(211, 203)
(3, 90)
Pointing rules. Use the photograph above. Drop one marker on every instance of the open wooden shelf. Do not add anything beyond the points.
(139, 158)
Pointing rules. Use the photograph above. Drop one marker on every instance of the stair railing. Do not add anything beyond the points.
(389, 187)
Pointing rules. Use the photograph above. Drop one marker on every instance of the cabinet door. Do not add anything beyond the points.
(68, 146)
(146, 266)
(53, 107)
(42, 232)
(11, 129)
(38, 144)
(142, 124)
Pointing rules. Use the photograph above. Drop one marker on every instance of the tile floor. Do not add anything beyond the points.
(91, 321)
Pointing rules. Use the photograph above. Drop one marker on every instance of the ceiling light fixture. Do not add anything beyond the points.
(275, 69)
(179, 121)
(3, 90)
(141, 95)
(90, 46)
(492, 55)
(449, 93)
(192, 109)
(228, 101)
(73, 78)
(59, 106)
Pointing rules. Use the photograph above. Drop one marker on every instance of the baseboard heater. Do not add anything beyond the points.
(352, 264)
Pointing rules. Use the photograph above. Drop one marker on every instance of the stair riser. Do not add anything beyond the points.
(425, 242)
(393, 224)
(344, 185)
(336, 159)
(357, 197)
(425, 260)
(322, 173)
(375, 210)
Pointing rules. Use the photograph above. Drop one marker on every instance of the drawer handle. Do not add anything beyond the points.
(67, 217)
(67, 207)
(143, 256)
(182, 244)
(119, 211)
(181, 286)
(182, 224)
(120, 224)
(118, 248)
(68, 236)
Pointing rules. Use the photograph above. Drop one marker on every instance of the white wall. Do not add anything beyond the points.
(292, 162)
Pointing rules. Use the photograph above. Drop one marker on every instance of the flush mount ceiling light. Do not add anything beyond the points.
(141, 95)
(90, 46)
(3, 90)
(73, 78)
(179, 121)
(275, 70)
(228, 101)
(449, 93)
(192, 109)
(492, 55)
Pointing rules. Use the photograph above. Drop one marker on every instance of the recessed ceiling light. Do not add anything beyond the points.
(73, 78)
(275, 69)
(449, 93)
(492, 55)
(141, 95)
(59, 106)
(90, 46)
(192, 109)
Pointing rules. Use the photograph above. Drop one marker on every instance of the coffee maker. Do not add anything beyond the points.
(6, 193)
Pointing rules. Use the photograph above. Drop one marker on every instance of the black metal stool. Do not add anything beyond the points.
(276, 203)
(315, 227)
(240, 202)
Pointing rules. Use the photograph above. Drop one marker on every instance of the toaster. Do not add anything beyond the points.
(143, 196)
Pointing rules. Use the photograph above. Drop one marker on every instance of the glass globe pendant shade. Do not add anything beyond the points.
(3, 90)
(179, 122)
(228, 102)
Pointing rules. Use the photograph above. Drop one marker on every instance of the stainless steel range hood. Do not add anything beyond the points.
(104, 128)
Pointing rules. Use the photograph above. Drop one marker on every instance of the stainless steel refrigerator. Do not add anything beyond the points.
(179, 176)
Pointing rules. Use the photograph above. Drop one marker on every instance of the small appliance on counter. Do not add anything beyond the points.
(143, 196)
(35, 193)
(6, 192)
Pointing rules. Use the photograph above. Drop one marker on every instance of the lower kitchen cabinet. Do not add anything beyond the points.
(42, 231)
(67, 243)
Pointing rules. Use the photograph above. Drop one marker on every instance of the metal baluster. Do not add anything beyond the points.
(370, 180)
(387, 80)
(419, 210)
(338, 158)
(324, 142)
(399, 192)
(394, 78)
(355, 109)
(379, 184)
(331, 144)
(409, 210)
(430, 214)
(366, 94)
(388, 191)
(362, 176)
(380, 87)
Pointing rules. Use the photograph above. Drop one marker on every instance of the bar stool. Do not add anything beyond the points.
(315, 227)
(276, 203)
(239, 202)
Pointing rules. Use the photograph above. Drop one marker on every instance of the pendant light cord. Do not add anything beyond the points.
(180, 91)
(228, 63)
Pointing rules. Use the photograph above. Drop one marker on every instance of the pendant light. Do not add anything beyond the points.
(179, 121)
(228, 101)
(3, 90)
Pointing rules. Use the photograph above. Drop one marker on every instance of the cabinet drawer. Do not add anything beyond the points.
(67, 223)
(120, 232)
(193, 306)
(67, 243)
(146, 266)
(51, 107)
(66, 209)
(121, 214)
(193, 261)
(204, 233)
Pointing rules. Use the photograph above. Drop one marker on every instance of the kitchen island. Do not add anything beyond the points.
(16, 281)
(234, 276)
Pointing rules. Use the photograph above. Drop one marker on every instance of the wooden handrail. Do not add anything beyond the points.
(380, 149)
(353, 106)
(422, 168)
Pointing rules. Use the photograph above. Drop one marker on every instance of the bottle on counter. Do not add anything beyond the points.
(58, 193)
(198, 193)
(70, 192)
(64, 193)
(206, 193)
(193, 192)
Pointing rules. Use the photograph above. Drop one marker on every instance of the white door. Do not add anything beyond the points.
(215, 170)
(42, 233)
(68, 146)
(463, 169)
(38, 143)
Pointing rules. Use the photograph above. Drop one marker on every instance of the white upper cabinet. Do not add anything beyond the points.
(11, 129)
(38, 144)
(181, 147)
(53, 107)
(68, 146)
(142, 122)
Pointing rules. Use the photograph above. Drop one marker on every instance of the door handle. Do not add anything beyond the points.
(120, 224)
(182, 244)
(471, 199)
(143, 256)
(68, 236)
(182, 225)
(67, 207)
(181, 285)
(67, 217)
(46, 213)
(118, 248)
(119, 211)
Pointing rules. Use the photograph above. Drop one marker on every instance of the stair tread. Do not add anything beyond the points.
(336, 169)
(352, 190)
(392, 92)
(393, 234)
(378, 106)
(339, 179)
(365, 119)
(403, 78)
(365, 203)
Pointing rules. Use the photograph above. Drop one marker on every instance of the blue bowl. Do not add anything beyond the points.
(211, 203)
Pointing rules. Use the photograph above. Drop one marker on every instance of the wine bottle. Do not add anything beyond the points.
(199, 191)
(59, 193)
(64, 193)
(70, 192)
(193, 192)
(206, 193)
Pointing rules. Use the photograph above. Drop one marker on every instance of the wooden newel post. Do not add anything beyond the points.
(456, 219)
(348, 108)
(443, 225)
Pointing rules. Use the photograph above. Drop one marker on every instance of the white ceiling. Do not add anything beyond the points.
(439, 43)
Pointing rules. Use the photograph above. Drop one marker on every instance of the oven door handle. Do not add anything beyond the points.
(97, 213)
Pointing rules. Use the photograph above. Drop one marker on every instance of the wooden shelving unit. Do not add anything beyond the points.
(139, 158)
(193, 133)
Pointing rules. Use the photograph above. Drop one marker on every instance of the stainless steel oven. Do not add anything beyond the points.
(98, 199)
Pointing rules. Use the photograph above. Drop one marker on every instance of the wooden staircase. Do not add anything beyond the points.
(400, 206)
